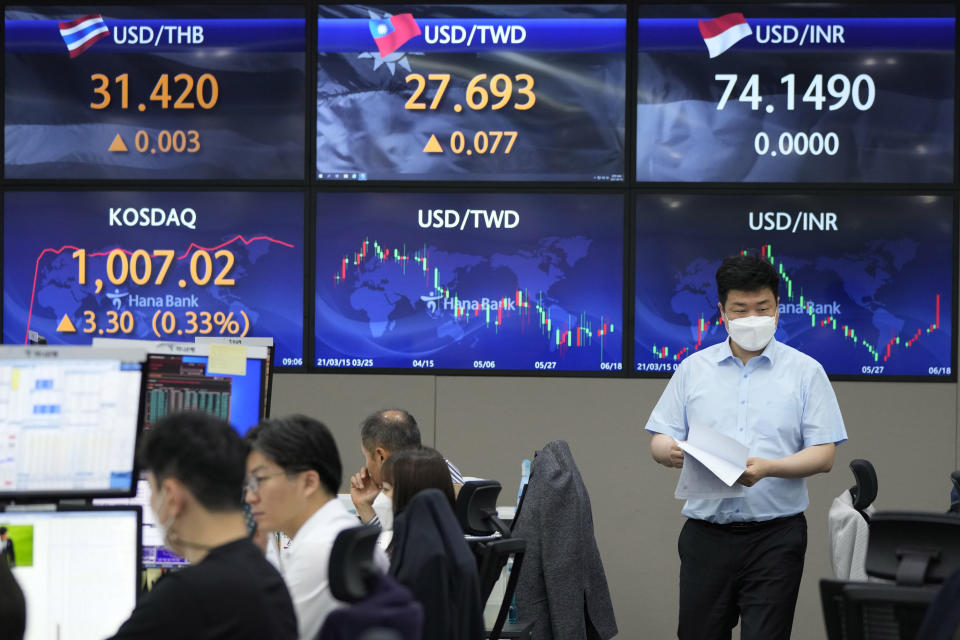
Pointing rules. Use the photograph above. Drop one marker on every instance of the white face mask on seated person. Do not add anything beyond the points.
(752, 333)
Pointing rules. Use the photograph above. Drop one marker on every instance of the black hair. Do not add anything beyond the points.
(412, 470)
(746, 273)
(3, 530)
(202, 452)
(392, 429)
(299, 443)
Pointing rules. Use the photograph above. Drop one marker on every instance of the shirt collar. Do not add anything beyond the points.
(321, 517)
(769, 352)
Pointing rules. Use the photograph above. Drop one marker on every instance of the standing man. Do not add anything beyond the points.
(743, 557)
(6, 548)
(381, 434)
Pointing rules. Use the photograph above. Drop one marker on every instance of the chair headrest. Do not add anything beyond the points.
(477, 506)
(351, 563)
(865, 491)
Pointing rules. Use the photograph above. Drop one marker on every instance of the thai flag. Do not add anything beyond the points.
(80, 34)
(391, 34)
(722, 33)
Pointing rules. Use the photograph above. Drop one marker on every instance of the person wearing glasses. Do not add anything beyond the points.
(195, 466)
(293, 474)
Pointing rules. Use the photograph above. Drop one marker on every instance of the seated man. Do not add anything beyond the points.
(195, 467)
(294, 472)
(381, 434)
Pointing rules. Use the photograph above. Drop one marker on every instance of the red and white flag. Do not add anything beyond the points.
(722, 33)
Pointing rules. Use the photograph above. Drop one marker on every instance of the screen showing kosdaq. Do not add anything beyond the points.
(470, 281)
(796, 92)
(471, 92)
(154, 265)
(165, 92)
(866, 282)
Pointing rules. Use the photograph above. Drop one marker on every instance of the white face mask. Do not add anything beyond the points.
(163, 525)
(752, 333)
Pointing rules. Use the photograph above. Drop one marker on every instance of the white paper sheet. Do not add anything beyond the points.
(717, 460)
(696, 481)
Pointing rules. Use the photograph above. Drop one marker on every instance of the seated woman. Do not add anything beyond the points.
(293, 474)
(429, 554)
(408, 472)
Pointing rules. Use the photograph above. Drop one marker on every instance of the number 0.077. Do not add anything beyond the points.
(139, 267)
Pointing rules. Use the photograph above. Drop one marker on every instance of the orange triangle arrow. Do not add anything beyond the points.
(66, 325)
(433, 145)
(117, 144)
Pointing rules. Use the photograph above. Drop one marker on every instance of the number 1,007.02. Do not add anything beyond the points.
(138, 267)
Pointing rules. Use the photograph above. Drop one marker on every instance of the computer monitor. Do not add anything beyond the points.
(250, 342)
(179, 378)
(69, 421)
(79, 569)
(154, 553)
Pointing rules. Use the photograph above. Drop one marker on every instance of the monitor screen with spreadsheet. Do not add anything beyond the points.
(69, 420)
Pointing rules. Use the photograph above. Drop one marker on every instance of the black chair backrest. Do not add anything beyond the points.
(864, 492)
(914, 548)
(351, 563)
(876, 611)
(834, 608)
(476, 508)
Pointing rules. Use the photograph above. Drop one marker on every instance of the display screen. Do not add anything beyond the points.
(866, 281)
(156, 92)
(492, 92)
(183, 383)
(68, 426)
(470, 281)
(155, 553)
(79, 570)
(796, 92)
(154, 265)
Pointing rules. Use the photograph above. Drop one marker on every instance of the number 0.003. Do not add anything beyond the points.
(799, 144)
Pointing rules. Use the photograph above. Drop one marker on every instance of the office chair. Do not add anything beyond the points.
(380, 607)
(490, 540)
(916, 550)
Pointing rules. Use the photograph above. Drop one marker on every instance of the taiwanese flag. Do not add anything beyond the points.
(722, 33)
(391, 34)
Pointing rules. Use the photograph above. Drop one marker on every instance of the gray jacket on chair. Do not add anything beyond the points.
(562, 585)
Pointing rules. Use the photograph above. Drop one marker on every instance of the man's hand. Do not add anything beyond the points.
(676, 456)
(363, 491)
(666, 451)
(757, 469)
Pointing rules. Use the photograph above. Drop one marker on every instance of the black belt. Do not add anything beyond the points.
(749, 525)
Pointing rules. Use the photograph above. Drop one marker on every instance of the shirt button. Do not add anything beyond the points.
(745, 376)
(743, 402)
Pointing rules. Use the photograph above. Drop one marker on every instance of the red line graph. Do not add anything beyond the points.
(193, 246)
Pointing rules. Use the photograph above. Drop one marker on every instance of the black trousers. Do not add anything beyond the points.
(750, 571)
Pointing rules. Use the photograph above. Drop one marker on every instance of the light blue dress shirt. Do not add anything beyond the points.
(777, 404)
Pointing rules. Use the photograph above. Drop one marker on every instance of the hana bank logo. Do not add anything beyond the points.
(431, 303)
(722, 33)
